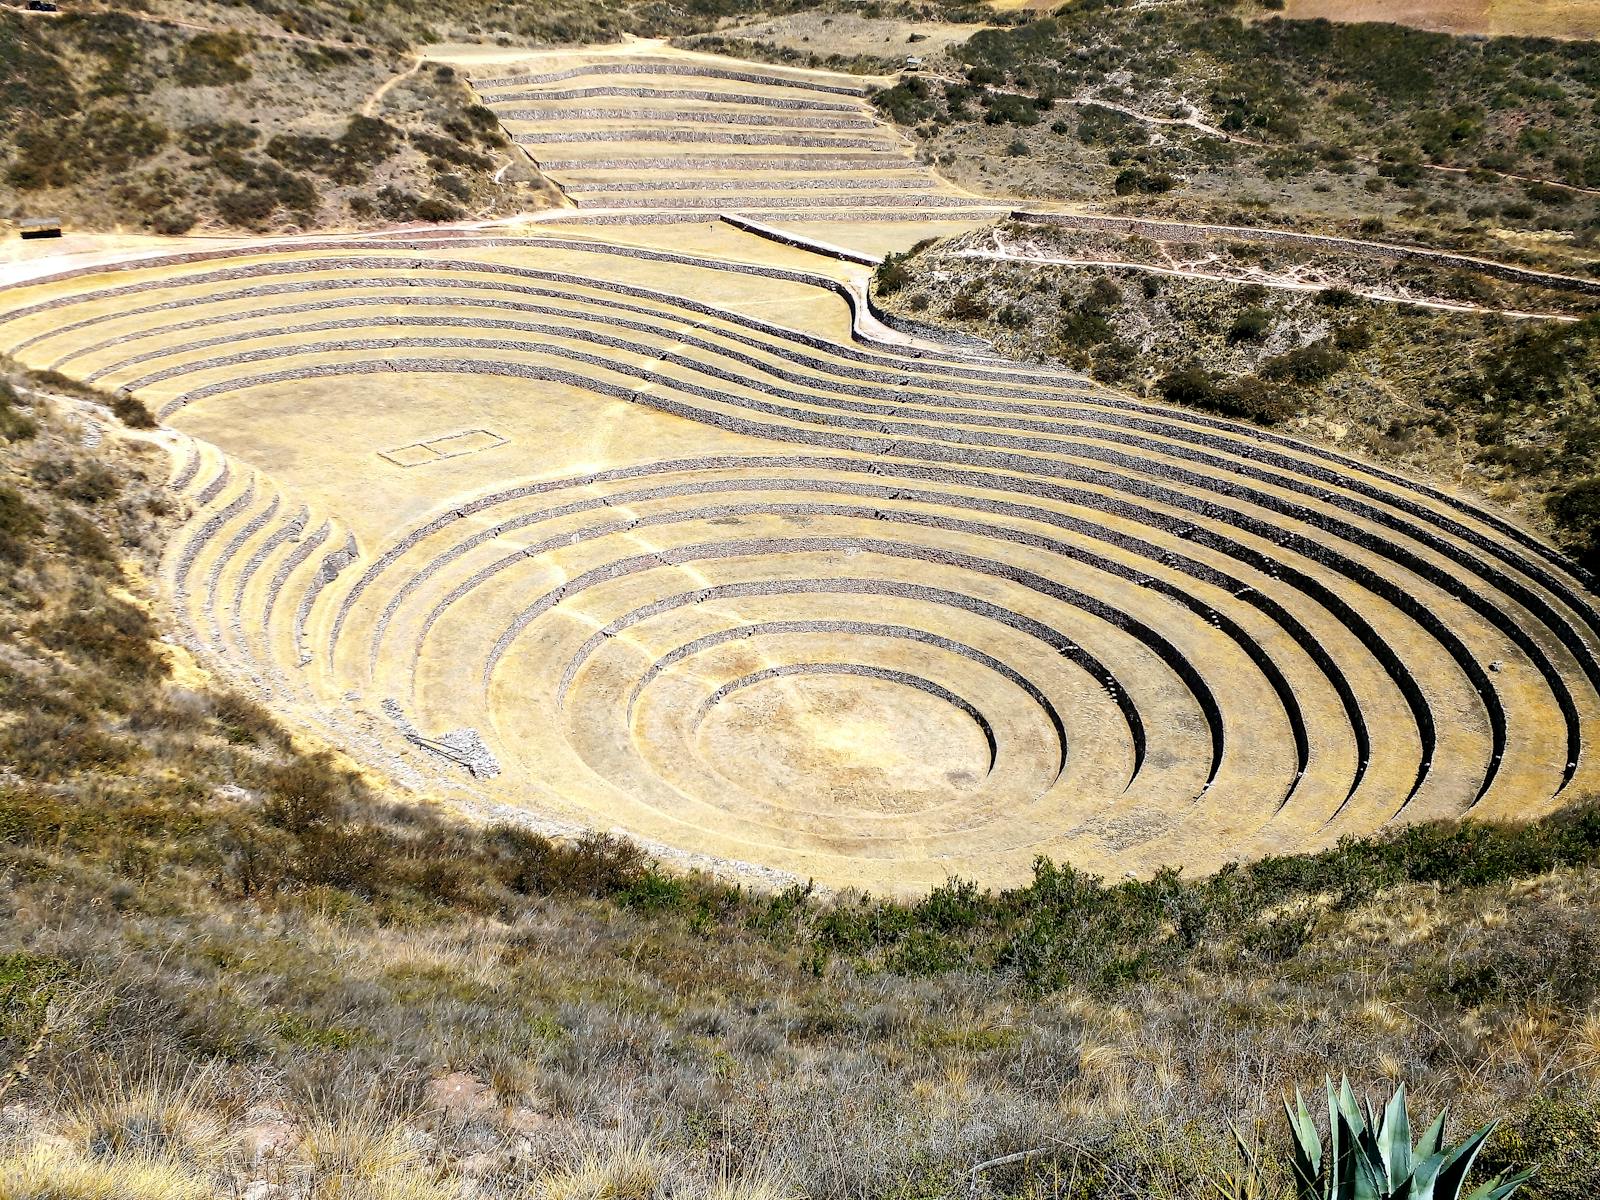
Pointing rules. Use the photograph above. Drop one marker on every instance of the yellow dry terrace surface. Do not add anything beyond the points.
(635, 517)
(1495, 18)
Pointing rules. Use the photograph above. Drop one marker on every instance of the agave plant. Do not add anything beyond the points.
(1371, 1156)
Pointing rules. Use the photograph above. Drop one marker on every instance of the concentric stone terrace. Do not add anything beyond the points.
(648, 133)
(681, 541)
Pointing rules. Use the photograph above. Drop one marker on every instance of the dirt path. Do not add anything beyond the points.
(1005, 253)
(1453, 259)
(369, 106)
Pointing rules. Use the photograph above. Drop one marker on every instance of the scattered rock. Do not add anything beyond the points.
(459, 1092)
(267, 1140)
(527, 1121)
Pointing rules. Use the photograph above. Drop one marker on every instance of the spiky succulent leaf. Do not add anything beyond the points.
(1500, 1188)
(1352, 1173)
(1334, 1185)
(1433, 1137)
(1453, 1174)
(1371, 1177)
(1370, 1156)
(1424, 1173)
(1394, 1139)
(1305, 1166)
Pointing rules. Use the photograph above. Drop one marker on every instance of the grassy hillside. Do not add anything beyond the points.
(119, 122)
(233, 966)
(1200, 107)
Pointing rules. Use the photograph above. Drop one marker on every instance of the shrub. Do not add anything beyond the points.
(246, 207)
(131, 411)
(1134, 180)
(209, 137)
(305, 152)
(19, 521)
(892, 274)
(50, 746)
(434, 208)
(212, 59)
(369, 140)
(173, 221)
(83, 540)
(346, 159)
(1308, 364)
(968, 305)
(109, 634)
(1576, 512)
(1545, 193)
(396, 203)
(906, 103)
(87, 484)
(1248, 397)
(1251, 325)
(267, 187)
(1557, 1133)
(1084, 325)
(448, 150)
(597, 864)
(1357, 335)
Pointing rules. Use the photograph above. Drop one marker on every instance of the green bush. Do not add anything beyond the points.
(1135, 180)
(892, 274)
(596, 865)
(19, 522)
(212, 60)
(131, 411)
(1558, 1133)
(1306, 365)
(1251, 325)
(907, 102)
(210, 137)
(1247, 397)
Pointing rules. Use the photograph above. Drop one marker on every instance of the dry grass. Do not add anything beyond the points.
(629, 1173)
(52, 1173)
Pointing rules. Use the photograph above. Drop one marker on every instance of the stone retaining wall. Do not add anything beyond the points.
(912, 203)
(684, 117)
(678, 69)
(791, 103)
(718, 137)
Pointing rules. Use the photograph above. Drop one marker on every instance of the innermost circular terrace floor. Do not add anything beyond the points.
(823, 742)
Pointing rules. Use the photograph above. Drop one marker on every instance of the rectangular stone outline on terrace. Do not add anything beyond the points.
(447, 445)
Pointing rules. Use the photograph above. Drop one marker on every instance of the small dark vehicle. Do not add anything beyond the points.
(39, 227)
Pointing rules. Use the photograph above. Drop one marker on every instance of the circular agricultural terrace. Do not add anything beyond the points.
(650, 528)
